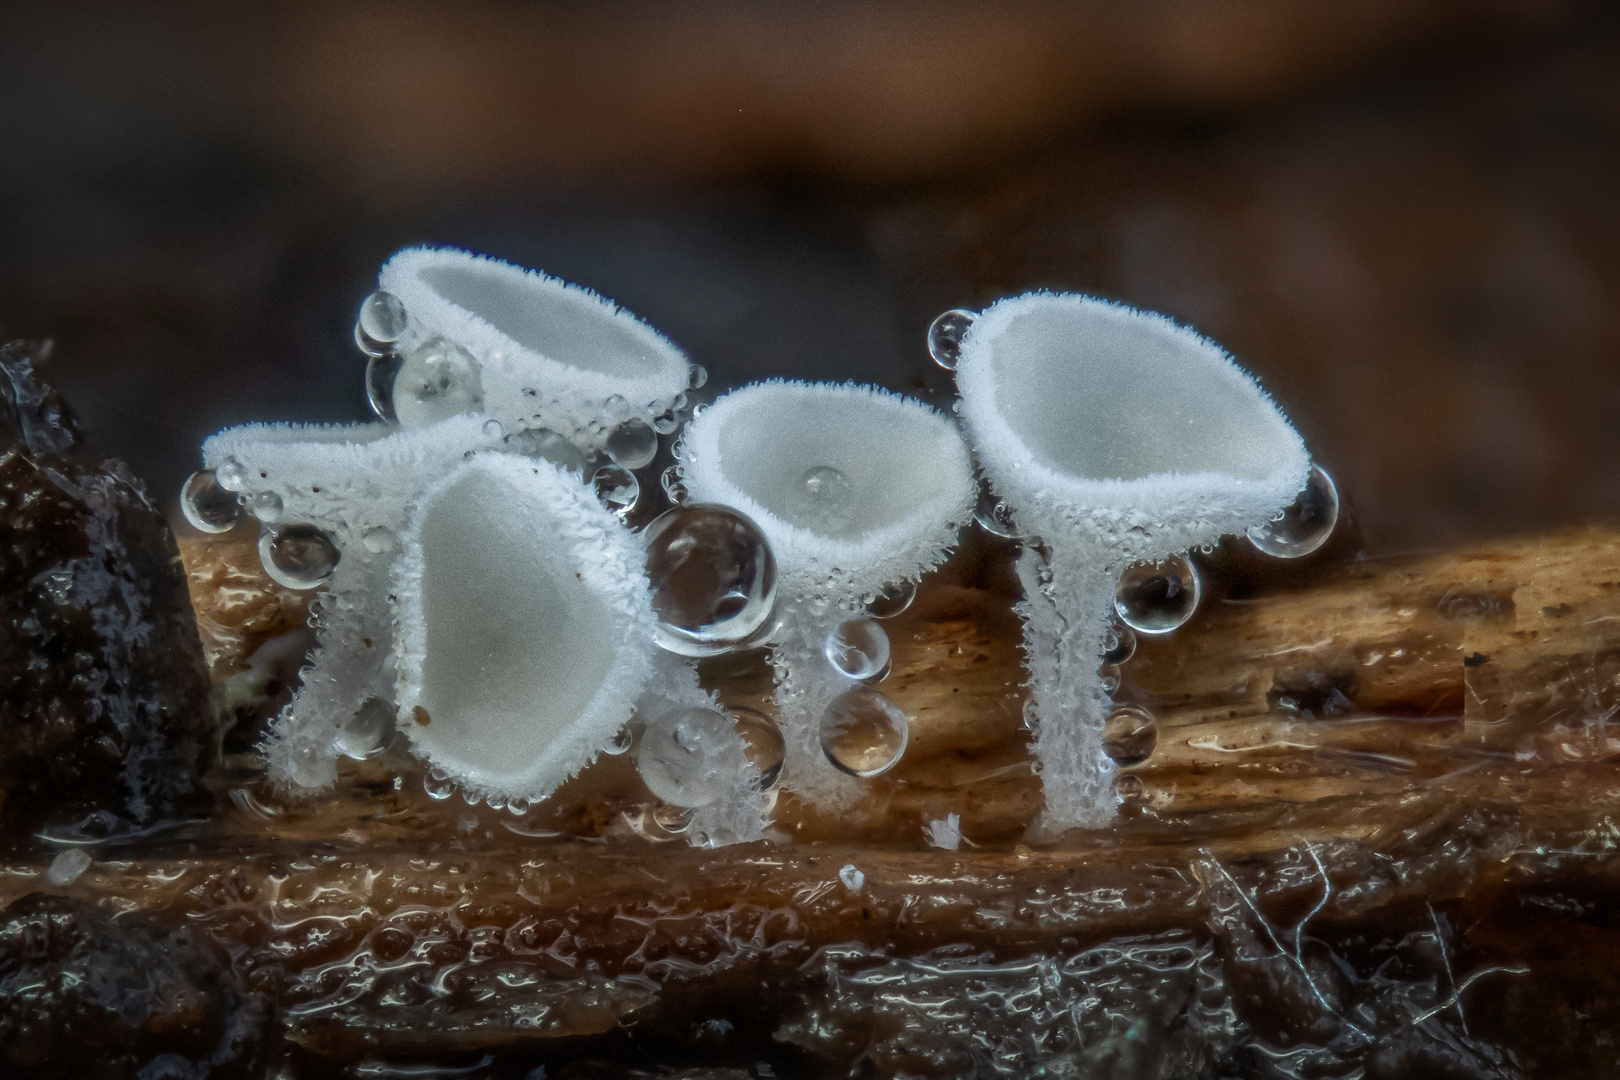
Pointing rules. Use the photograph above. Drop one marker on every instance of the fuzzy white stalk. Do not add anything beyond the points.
(524, 626)
(901, 486)
(356, 482)
(548, 354)
(1116, 437)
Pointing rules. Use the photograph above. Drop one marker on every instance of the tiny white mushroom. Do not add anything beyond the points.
(524, 626)
(1115, 437)
(543, 353)
(355, 483)
(855, 489)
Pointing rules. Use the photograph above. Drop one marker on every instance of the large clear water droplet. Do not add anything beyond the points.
(633, 444)
(438, 785)
(438, 379)
(995, 516)
(762, 743)
(1156, 598)
(863, 733)
(858, 649)
(231, 474)
(945, 336)
(617, 487)
(713, 578)
(1304, 526)
(674, 487)
(207, 505)
(1129, 735)
(363, 342)
(892, 600)
(298, 556)
(685, 756)
(620, 743)
(382, 372)
(547, 444)
(823, 500)
(1119, 644)
(366, 733)
(266, 506)
(382, 317)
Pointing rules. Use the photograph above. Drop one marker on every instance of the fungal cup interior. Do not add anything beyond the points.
(567, 325)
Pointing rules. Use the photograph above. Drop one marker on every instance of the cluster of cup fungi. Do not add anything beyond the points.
(482, 592)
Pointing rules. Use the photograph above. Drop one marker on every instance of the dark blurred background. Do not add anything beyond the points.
(1402, 215)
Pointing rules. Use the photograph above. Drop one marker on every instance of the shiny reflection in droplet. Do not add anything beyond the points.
(207, 505)
(366, 733)
(713, 579)
(858, 649)
(298, 556)
(994, 516)
(945, 335)
(762, 743)
(632, 445)
(1156, 598)
(617, 487)
(863, 733)
(382, 317)
(892, 600)
(1304, 526)
(1129, 735)
(438, 785)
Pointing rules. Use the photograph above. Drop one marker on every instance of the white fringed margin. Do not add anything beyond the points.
(550, 354)
(910, 488)
(524, 633)
(1116, 437)
(357, 483)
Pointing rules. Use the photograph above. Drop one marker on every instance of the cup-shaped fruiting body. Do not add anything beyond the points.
(525, 348)
(351, 486)
(524, 626)
(1115, 437)
(855, 489)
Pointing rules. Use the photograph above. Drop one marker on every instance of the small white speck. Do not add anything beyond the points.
(852, 878)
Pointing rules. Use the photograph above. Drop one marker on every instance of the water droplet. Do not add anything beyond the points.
(493, 429)
(380, 541)
(1108, 677)
(863, 732)
(1129, 735)
(367, 731)
(1155, 598)
(859, 649)
(620, 743)
(231, 475)
(674, 487)
(994, 516)
(617, 487)
(206, 503)
(518, 805)
(762, 742)
(699, 376)
(382, 316)
(683, 756)
(823, 500)
(633, 444)
(438, 379)
(673, 819)
(892, 600)
(851, 878)
(945, 336)
(1130, 789)
(365, 344)
(266, 506)
(382, 372)
(616, 408)
(666, 423)
(298, 556)
(1119, 644)
(438, 785)
(1304, 526)
(547, 444)
(713, 579)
